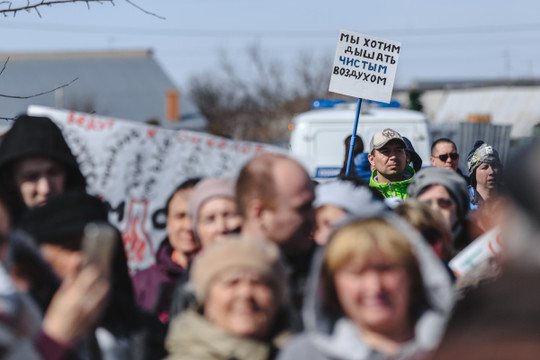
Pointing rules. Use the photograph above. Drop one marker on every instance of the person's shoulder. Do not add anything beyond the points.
(145, 274)
(300, 346)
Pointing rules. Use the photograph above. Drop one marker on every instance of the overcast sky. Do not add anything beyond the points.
(440, 39)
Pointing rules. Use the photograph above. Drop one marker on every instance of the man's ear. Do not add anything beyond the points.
(255, 209)
(370, 158)
(432, 159)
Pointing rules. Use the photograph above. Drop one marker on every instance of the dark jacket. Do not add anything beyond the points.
(154, 286)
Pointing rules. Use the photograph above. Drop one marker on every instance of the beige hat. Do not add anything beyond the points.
(381, 138)
(238, 252)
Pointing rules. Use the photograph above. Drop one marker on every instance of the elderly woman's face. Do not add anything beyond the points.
(217, 216)
(375, 294)
(241, 302)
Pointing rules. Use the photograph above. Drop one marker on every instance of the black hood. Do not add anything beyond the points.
(36, 136)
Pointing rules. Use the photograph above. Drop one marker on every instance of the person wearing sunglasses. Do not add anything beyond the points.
(446, 193)
(444, 155)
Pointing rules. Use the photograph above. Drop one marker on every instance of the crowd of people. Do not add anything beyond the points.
(272, 264)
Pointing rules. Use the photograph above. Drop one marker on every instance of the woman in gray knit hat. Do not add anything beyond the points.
(446, 192)
(485, 169)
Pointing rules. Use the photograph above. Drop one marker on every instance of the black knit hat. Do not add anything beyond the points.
(63, 216)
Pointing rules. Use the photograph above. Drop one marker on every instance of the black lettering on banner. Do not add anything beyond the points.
(113, 153)
(159, 219)
(118, 210)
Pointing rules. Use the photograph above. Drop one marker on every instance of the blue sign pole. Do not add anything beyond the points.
(353, 137)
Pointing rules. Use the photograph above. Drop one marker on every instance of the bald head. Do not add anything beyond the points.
(275, 195)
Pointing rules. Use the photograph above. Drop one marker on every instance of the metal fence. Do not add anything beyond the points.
(465, 134)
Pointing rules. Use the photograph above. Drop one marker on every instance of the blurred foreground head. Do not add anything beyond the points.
(240, 284)
(275, 196)
(498, 320)
(522, 226)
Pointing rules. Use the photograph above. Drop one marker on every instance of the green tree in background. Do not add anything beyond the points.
(415, 103)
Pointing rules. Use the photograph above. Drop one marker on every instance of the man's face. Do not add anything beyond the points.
(37, 178)
(290, 221)
(389, 161)
(179, 224)
(445, 150)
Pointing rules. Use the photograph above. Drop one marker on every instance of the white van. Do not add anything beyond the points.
(318, 136)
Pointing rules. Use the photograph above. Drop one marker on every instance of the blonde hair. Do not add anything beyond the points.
(429, 223)
(358, 241)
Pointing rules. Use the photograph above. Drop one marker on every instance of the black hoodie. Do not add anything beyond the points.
(35, 136)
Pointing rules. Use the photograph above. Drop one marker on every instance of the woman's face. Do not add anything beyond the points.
(328, 218)
(375, 294)
(242, 303)
(217, 216)
(440, 200)
(487, 175)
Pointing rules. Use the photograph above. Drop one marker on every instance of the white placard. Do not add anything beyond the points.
(135, 167)
(486, 246)
(365, 66)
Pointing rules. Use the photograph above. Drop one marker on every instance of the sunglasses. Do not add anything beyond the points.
(444, 157)
(443, 203)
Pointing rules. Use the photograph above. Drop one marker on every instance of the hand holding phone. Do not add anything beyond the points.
(98, 246)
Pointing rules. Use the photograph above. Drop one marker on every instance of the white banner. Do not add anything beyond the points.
(364, 66)
(135, 167)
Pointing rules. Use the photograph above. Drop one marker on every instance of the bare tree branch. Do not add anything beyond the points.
(39, 94)
(36, 4)
(144, 10)
(4, 66)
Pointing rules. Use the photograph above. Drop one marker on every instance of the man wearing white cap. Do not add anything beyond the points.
(391, 175)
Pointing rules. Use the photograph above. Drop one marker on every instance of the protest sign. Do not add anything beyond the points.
(135, 167)
(484, 247)
(364, 66)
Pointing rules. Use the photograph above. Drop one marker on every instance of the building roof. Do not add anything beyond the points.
(122, 84)
(515, 106)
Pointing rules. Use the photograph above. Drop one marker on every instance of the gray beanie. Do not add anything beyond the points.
(481, 153)
(355, 200)
(451, 180)
(205, 190)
